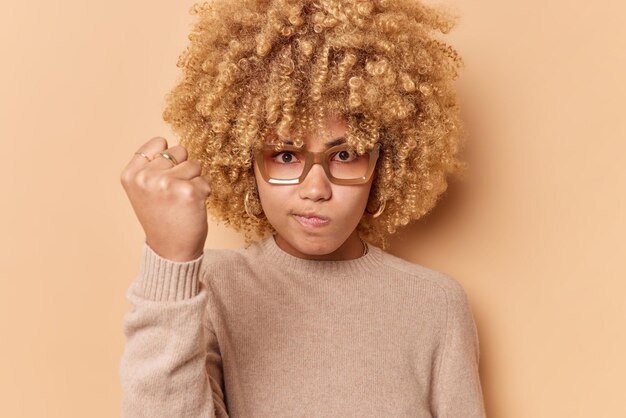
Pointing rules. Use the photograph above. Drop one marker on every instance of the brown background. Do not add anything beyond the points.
(536, 236)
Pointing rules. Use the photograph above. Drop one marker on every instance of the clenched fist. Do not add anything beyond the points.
(168, 200)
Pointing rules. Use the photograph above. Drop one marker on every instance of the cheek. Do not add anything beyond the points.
(272, 197)
(352, 198)
(261, 185)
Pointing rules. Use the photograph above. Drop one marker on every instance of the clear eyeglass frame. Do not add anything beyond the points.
(311, 158)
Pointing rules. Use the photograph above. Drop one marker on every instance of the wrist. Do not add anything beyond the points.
(172, 254)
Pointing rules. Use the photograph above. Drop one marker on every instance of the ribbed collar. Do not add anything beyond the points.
(276, 256)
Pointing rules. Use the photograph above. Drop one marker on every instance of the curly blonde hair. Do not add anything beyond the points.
(258, 70)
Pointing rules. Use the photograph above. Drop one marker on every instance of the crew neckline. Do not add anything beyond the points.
(274, 255)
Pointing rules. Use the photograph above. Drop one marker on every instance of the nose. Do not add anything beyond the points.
(316, 185)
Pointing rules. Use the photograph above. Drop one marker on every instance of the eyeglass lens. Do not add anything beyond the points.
(289, 164)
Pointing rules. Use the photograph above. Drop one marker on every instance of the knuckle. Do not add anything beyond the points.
(131, 178)
(207, 192)
(124, 178)
(141, 178)
(187, 191)
(203, 188)
(164, 183)
(205, 179)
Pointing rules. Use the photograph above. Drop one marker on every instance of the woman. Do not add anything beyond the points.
(322, 126)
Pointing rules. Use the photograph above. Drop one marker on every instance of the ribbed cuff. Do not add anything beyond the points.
(161, 279)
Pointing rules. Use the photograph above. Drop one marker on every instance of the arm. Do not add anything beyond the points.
(171, 365)
(457, 388)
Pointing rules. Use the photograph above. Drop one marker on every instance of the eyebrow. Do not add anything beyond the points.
(329, 144)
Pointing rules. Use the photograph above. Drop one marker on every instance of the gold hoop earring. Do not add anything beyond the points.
(245, 205)
(380, 210)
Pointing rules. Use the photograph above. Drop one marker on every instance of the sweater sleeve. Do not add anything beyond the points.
(457, 388)
(171, 365)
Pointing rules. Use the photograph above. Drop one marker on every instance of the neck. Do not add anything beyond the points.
(287, 264)
(351, 248)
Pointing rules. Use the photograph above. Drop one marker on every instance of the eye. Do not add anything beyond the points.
(346, 155)
(287, 157)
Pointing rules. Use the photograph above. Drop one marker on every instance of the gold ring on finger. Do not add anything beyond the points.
(143, 155)
(166, 155)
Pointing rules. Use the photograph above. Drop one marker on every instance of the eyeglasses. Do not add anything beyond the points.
(288, 164)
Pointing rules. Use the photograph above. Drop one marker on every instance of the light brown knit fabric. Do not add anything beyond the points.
(257, 332)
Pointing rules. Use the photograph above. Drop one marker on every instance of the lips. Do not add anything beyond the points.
(311, 220)
(311, 215)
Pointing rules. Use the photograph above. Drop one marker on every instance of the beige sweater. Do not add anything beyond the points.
(257, 332)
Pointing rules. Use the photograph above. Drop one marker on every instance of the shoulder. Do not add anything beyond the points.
(447, 286)
(222, 260)
(446, 292)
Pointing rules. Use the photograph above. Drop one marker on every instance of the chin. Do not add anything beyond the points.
(327, 246)
(317, 245)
